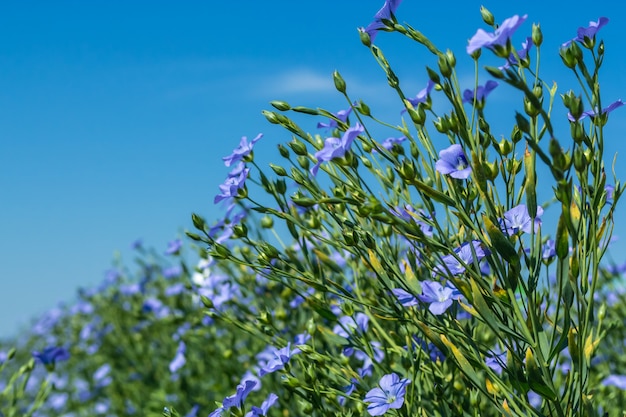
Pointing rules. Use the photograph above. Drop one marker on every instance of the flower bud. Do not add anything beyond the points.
(271, 117)
(432, 74)
(580, 164)
(267, 222)
(444, 66)
(568, 58)
(487, 16)
(495, 72)
(303, 161)
(363, 108)
(284, 152)
(340, 84)
(298, 147)
(504, 147)
(522, 123)
(365, 37)
(536, 34)
(240, 230)
(280, 105)
(278, 170)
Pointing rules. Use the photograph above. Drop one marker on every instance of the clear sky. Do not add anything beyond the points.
(114, 115)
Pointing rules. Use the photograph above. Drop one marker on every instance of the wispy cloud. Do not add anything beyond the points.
(299, 81)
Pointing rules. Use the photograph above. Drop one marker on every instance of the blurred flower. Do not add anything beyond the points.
(594, 113)
(335, 147)
(517, 219)
(389, 394)
(405, 298)
(385, 13)
(233, 183)
(50, 355)
(389, 142)
(522, 54)
(452, 161)
(498, 38)
(588, 32)
(332, 123)
(172, 271)
(481, 92)
(237, 399)
(618, 381)
(439, 297)
(275, 359)
(262, 411)
(242, 150)
(179, 360)
(348, 324)
(452, 265)
(173, 247)
(193, 412)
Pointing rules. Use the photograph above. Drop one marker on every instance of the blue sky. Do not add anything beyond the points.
(115, 115)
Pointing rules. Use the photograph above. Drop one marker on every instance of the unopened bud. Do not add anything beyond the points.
(487, 16)
(340, 84)
(537, 36)
(280, 105)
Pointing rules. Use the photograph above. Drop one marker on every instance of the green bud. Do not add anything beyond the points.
(220, 251)
(451, 58)
(407, 170)
(441, 124)
(580, 164)
(268, 250)
(567, 56)
(444, 66)
(306, 110)
(522, 123)
(365, 38)
(505, 147)
(415, 152)
(417, 116)
(487, 16)
(351, 237)
(303, 161)
(369, 241)
(363, 108)
(495, 72)
(11, 353)
(280, 105)
(536, 34)
(366, 162)
(340, 84)
(298, 147)
(347, 308)
(271, 117)
(267, 222)
(280, 186)
(530, 109)
(198, 221)
(432, 74)
(240, 230)
(491, 170)
(516, 134)
(601, 49)
(284, 152)
(278, 170)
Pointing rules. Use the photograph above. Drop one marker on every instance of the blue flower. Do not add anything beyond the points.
(51, 355)
(244, 149)
(389, 394)
(517, 219)
(276, 359)
(522, 54)
(439, 297)
(422, 96)
(594, 113)
(262, 411)
(618, 381)
(404, 297)
(452, 161)
(173, 247)
(481, 92)
(588, 32)
(234, 182)
(498, 38)
(237, 399)
(452, 265)
(179, 360)
(385, 13)
(332, 123)
(335, 147)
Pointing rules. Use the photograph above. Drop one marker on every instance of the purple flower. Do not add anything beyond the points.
(422, 96)
(610, 190)
(464, 253)
(173, 271)
(594, 113)
(618, 381)
(194, 411)
(452, 161)
(335, 147)
(385, 13)
(405, 298)
(589, 32)
(517, 219)
(332, 123)
(389, 394)
(52, 354)
(481, 92)
(522, 54)
(348, 325)
(389, 142)
(237, 399)
(498, 38)
(241, 151)
(179, 360)
(549, 249)
(262, 411)
(439, 297)
(276, 359)
(173, 247)
(234, 182)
